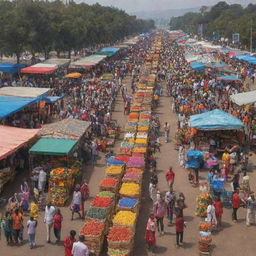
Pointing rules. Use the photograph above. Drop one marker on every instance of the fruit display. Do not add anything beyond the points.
(136, 162)
(202, 203)
(136, 170)
(130, 190)
(102, 202)
(106, 194)
(206, 227)
(114, 170)
(119, 233)
(97, 213)
(109, 184)
(132, 177)
(125, 218)
(92, 228)
(122, 158)
(118, 252)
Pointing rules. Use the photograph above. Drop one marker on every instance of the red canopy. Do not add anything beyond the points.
(13, 138)
(38, 70)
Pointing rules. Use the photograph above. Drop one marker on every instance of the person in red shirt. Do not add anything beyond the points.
(68, 243)
(170, 175)
(57, 219)
(235, 204)
(218, 210)
(180, 224)
(85, 192)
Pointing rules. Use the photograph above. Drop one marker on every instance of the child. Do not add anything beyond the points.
(180, 224)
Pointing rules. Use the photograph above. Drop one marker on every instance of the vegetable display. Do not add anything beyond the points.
(92, 228)
(118, 233)
(106, 194)
(130, 189)
(114, 170)
(102, 202)
(125, 218)
(97, 213)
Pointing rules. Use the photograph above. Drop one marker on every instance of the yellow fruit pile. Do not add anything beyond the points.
(141, 141)
(114, 170)
(125, 218)
(130, 189)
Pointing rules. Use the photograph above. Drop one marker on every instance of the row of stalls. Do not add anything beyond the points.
(57, 148)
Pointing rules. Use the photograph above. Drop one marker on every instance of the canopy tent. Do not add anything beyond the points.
(244, 98)
(197, 65)
(91, 60)
(247, 58)
(52, 99)
(229, 78)
(109, 51)
(57, 62)
(11, 105)
(68, 128)
(13, 138)
(40, 68)
(215, 120)
(30, 92)
(51, 146)
(73, 75)
(10, 67)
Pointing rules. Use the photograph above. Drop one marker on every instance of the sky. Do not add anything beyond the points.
(149, 5)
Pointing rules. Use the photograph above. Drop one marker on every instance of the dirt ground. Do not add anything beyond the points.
(233, 239)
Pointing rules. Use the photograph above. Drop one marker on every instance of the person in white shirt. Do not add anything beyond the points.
(48, 220)
(31, 226)
(42, 180)
(79, 248)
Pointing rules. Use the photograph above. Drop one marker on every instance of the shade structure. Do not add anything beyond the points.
(13, 138)
(73, 75)
(52, 99)
(88, 61)
(197, 65)
(229, 78)
(57, 61)
(31, 92)
(11, 105)
(247, 58)
(40, 68)
(51, 146)
(215, 120)
(10, 67)
(244, 98)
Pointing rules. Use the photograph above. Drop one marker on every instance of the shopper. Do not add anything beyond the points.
(68, 243)
(48, 220)
(166, 131)
(31, 227)
(160, 209)
(151, 233)
(211, 215)
(235, 204)
(180, 224)
(7, 227)
(251, 210)
(170, 176)
(85, 192)
(17, 223)
(170, 199)
(79, 248)
(218, 210)
(42, 180)
(76, 202)
(57, 220)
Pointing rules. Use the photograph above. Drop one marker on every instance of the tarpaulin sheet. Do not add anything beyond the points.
(228, 78)
(11, 105)
(215, 120)
(247, 58)
(40, 68)
(244, 98)
(30, 92)
(197, 65)
(195, 159)
(13, 138)
(10, 67)
(50, 146)
(52, 99)
(110, 49)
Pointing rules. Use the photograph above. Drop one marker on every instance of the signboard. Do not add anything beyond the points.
(236, 37)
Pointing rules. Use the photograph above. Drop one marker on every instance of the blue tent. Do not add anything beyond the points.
(10, 105)
(112, 50)
(10, 68)
(248, 58)
(228, 78)
(195, 159)
(215, 120)
(197, 65)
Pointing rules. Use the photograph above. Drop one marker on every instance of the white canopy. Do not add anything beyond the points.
(244, 98)
(56, 61)
(26, 92)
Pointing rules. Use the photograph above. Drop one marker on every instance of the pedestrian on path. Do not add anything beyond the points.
(151, 233)
(68, 243)
(166, 131)
(57, 220)
(211, 215)
(85, 193)
(153, 192)
(31, 227)
(218, 210)
(76, 202)
(235, 204)
(79, 248)
(251, 210)
(48, 220)
(17, 220)
(7, 227)
(170, 176)
(170, 199)
(160, 209)
(180, 224)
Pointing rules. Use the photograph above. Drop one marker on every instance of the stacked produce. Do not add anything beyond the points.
(114, 170)
(128, 204)
(205, 238)
(102, 202)
(132, 177)
(130, 190)
(109, 184)
(202, 203)
(61, 183)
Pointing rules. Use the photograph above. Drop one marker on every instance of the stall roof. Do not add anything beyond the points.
(11, 105)
(244, 98)
(68, 128)
(52, 99)
(91, 60)
(197, 65)
(51, 146)
(215, 120)
(56, 61)
(40, 68)
(30, 92)
(229, 78)
(10, 67)
(13, 138)
(247, 58)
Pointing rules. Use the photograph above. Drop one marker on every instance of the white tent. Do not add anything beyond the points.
(244, 98)
(26, 92)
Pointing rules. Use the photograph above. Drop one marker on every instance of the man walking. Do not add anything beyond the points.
(79, 248)
(48, 220)
(170, 176)
(31, 226)
(251, 210)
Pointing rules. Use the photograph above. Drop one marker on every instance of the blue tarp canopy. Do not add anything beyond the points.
(112, 50)
(10, 105)
(52, 99)
(228, 78)
(10, 68)
(197, 65)
(215, 120)
(248, 58)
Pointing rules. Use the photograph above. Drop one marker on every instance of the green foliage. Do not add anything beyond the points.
(42, 26)
(223, 19)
